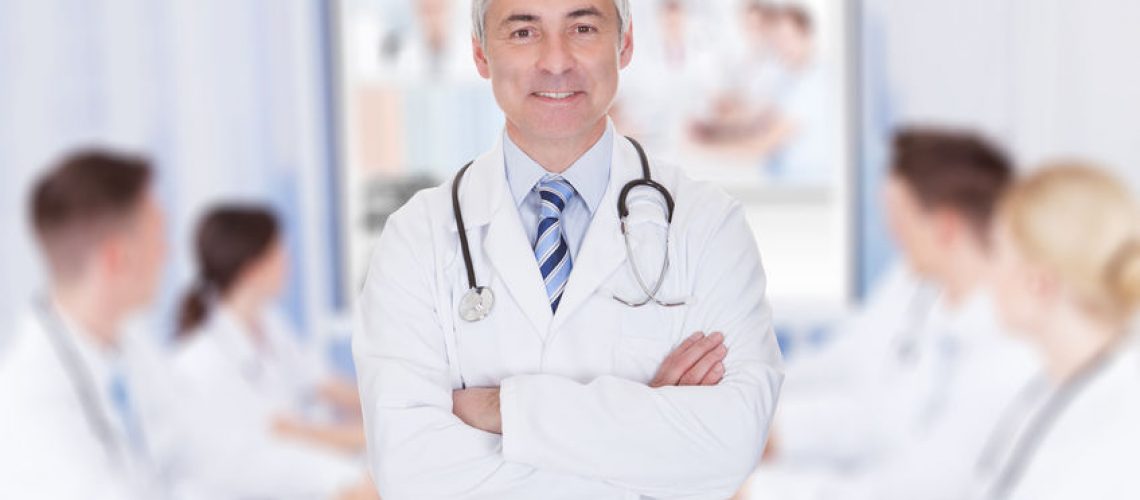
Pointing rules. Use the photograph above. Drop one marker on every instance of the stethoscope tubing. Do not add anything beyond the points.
(646, 180)
(79, 376)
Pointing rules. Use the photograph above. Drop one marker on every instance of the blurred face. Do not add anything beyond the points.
(135, 258)
(553, 64)
(673, 20)
(792, 44)
(759, 26)
(433, 14)
(266, 276)
(1022, 291)
(914, 228)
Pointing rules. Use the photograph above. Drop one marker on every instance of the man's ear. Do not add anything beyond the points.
(625, 55)
(480, 56)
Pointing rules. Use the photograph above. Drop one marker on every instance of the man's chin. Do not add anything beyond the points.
(555, 129)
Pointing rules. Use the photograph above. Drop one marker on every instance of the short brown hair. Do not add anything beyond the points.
(953, 169)
(83, 199)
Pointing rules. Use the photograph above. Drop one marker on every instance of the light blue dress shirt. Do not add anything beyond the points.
(589, 175)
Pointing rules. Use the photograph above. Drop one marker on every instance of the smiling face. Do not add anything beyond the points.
(553, 64)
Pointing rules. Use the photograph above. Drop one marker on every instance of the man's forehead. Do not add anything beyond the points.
(532, 10)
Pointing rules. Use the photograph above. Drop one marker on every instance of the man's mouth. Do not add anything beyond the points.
(556, 95)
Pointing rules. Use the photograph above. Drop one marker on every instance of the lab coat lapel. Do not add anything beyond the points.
(506, 244)
(603, 248)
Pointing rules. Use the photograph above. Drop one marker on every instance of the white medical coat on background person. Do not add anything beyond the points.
(234, 390)
(1089, 450)
(925, 417)
(49, 445)
(578, 418)
(873, 351)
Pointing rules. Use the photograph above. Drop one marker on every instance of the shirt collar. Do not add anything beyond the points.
(103, 363)
(589, 174)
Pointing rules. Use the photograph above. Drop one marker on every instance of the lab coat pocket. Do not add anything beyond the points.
(648, 334)
(496, 347)
(637, 359)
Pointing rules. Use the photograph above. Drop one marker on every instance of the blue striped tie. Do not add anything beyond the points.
(550, 246)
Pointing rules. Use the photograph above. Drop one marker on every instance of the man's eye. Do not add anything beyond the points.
(523, 33)
(585, 29)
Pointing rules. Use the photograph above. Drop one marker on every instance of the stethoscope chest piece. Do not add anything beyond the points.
(476, 304)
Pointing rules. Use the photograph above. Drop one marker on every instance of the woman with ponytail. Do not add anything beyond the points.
(1068, 249)
(256, 389)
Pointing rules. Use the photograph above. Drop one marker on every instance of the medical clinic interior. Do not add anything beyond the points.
(236, 260)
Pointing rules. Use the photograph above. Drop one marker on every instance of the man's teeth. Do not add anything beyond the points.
(555, 95)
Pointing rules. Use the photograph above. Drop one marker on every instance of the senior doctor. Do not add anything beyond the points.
(506, 347)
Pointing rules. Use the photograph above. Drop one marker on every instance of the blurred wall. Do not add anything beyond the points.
(1049, 77)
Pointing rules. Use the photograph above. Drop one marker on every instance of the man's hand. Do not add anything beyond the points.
(479, 408)
(699, 360)
(361, 490)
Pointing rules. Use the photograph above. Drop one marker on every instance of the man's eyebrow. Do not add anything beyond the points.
(585, 12)
(519, 18)
(523, 17)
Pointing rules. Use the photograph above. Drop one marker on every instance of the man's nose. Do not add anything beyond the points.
(556, 56)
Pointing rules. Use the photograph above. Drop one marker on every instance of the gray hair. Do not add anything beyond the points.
(479, 18)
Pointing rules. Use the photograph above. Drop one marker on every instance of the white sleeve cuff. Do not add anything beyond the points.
(513, 422)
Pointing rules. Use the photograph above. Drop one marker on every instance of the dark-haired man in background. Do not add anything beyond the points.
(71, 422)
(900, 404)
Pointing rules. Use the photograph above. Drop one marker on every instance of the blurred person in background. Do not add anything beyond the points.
(255, 388)
(777, 111)
(428, 51)
(685, 52)
(901, 402)
(759, 76)
(1068, 281)
(74, 410)
(754, 80)
(794, 143)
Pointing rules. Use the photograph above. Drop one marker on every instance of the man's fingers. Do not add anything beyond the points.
(686, 344)
(686, 360)
(703, 366)
(668, 373)
(714, 376)
(677, 365)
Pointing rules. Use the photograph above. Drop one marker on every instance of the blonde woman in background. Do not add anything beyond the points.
(1068, 250)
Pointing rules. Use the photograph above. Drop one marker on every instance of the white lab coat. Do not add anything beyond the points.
(914, 428)
(48, 444)
(579, 420)
(875, 354)
(1093, 445)
(233, 392)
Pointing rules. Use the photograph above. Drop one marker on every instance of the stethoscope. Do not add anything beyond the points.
(80, 377)
(1037, 428)
(477, 302)
(918, 311)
